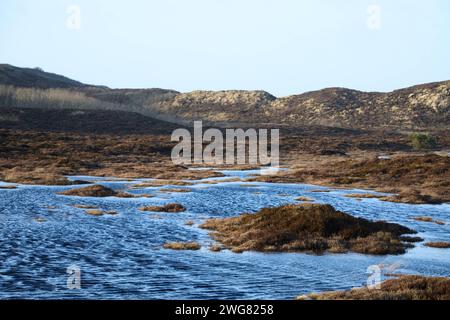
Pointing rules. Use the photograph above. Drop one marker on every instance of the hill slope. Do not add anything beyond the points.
(34, 78)
(424, 106)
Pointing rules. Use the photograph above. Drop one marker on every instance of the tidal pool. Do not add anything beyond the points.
(121, 256)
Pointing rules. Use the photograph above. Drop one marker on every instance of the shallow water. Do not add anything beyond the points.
(121, 256)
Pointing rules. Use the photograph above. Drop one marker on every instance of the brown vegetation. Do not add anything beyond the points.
(83, 206)
(96, 191)
(182, 246)
(97, 212)
(306, 199)
(171, 207)
(402, 288)
(215, 248)
(174, 190)
(307, 227)
(8, 187)
(363, 196)
(441, 244)
(429, 219)
(415, 179)
(411, 239)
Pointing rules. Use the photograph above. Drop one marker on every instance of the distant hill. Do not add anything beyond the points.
(425, 106)
(34, 78)
(422, 106)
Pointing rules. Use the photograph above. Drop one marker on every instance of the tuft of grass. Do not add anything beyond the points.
(83, 206)
(215, 248)
(96, 191)
(402, 288)
(182, 246)
(441, 245)
(429, 219)
(306, 199)
(171, 207)
(307, 228)
(363, 196)
(97, 212)
(8, 187)
(175, 190)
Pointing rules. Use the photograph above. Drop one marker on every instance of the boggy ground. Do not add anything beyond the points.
(401, 288)
(414, 178)
(307, 228)
(42, 146)
(31, 157)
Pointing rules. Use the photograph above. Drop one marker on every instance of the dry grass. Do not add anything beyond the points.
(429, 219)
(182, 246)
(402, 288)
(175, 190)
(307, 228)
(306, 199)
(222, 181)
(215, 248)
(441, 245)
(97, 212)
(83, 206)
(8, 187)
(416, 179)
(363, 196)
(171, 207)
(96, 191)
(45, 158)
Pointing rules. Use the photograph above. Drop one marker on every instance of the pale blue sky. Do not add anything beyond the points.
(282, 46)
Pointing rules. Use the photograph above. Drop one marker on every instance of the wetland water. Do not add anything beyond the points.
(121, 256)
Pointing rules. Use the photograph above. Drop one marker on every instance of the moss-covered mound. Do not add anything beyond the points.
(307, 228)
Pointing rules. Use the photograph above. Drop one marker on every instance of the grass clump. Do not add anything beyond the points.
(429, 219)
(8, 187)
(96, 191)
(441, 245)
(97, 212)
(304, 199)
(171, 207)
(363, 196)
(182, 246)
(313, 228)
(402, 288)
(175, 190)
